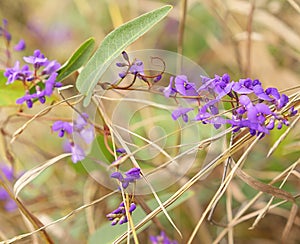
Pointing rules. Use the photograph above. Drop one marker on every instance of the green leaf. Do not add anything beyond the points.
(78, 59)
(107, 233)
(112, 45)
(9, 93)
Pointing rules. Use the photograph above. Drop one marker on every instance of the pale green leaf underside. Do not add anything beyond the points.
(112, 45)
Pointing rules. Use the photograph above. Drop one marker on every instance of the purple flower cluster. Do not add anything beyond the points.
(130, 176)
(161, 239)
(259, 114)
(119, 214)
(82, 128)
(9, 204)
(39, 82)
(135, 68)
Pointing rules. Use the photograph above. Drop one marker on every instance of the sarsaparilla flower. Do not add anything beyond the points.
(82, 128)
(119, 215)
(130, 176)
(255, 113)
(39, 82)
(135, 69)
(162, 239)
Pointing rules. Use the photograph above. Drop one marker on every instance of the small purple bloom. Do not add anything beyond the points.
(50, 83)
(82, 127)
(184, 87)
(181, 112)
(77, 152)
(161, 239)
(20, 46)
(17, 73)
(122, 74)
(125, 56)
(117, 175)
(131, 176)
(51, 67)
(292, 111)
(169, 90)
(284, 99)
(243, 86)
(260, 93)
(271, 124)
(157, 78)
(38, 59)
(121, 64)
(137, 67)
(62, 127)
(40, 94)
(81, 121)
(121, 150)
(26, 98)
(119, 215)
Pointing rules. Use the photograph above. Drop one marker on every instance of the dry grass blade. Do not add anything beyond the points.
(33, 173)
(289, 224)
(294, 5)
(237, 221)
(222, 188)
(269, 189)
(239, 218)
(283, 136)
(266, 209)
(20, 237)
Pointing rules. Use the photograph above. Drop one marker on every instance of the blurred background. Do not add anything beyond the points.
(258, 39)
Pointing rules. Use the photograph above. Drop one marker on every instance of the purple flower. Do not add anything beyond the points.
(15, 73)
(169, 90)
(119, 215)
(37, 59)
(40, 94)
(51, 67)
(62, 127)
(26, 98)
(81, 121)
(184, 87)
(137, 67)
(157, 78)
(131, 176)
(50, 84)
(292, 111)
(181, 112)
(121, 150)
(284, 99)
(20, 46)
(85, 129)
(219, 85)
(260, 93)
(244, 86)
(77, 152)
(161, 239)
